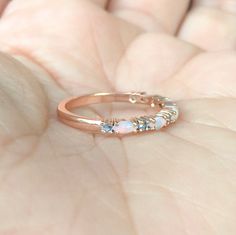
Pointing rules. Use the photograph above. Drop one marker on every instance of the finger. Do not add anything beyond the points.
(176, 69)
(151, 15)
(3, 4)
(210, 75)
(23, 102)
(161, 56)
(211, 25)
(58, 42)
(102, 3)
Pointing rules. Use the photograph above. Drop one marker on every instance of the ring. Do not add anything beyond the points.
(166, 113)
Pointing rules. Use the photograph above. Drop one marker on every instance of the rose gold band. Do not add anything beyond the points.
(166, 113)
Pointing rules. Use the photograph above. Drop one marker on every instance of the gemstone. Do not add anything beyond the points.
(151, 125)
(174, 116)
(124, 127)
(160, 122)
(107, 128)
(142, 124)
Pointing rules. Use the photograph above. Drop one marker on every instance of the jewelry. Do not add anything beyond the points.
(166, 112)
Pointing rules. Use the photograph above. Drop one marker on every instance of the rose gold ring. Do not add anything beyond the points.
(166, 112)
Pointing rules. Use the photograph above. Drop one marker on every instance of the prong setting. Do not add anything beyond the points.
(167, 115)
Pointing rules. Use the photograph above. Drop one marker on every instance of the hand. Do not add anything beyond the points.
(58, 180)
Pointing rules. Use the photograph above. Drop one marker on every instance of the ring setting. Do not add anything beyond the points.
(166, 113)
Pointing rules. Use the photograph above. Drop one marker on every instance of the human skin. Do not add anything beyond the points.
(56, 180)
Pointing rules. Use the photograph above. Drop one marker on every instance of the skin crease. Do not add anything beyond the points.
(58, 180)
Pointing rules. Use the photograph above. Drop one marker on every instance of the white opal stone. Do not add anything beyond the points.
(160, 122)
(124, 127)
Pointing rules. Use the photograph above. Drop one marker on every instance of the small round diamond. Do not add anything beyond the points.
(107, 128)
(151, 125)
(142, 124)
(175, 114)
(160, 122)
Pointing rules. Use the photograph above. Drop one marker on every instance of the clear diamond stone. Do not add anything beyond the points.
(175, 114)
(151, 125)
(107, 128)
(142, 124)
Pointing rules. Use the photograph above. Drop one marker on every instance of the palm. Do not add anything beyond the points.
(57, 180)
